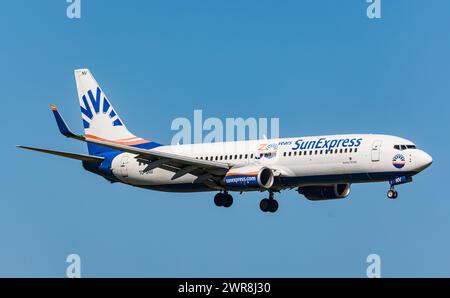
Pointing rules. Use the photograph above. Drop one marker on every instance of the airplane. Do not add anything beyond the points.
(318, 167)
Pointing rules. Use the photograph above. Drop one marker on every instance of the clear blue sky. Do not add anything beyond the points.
(320, 66)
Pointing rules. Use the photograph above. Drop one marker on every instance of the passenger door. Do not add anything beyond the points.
(376, 150)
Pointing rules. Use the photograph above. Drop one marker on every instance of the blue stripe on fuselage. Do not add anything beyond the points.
(292, 181)
(104, 168)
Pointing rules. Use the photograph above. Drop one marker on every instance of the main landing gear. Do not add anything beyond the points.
(223, 200)
(269, 205)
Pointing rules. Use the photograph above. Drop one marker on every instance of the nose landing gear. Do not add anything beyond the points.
(269, 205)
(223, 200)
(392, 193)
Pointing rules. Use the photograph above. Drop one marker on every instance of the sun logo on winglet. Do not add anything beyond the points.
(95, 105)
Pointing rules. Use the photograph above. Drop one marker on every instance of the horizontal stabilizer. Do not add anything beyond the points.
(88, 158)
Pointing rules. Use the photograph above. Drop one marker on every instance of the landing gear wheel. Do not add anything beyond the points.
(268, 205)
(392, 194)
(218, 199)
(227, 200)
(274, 206)
(223, 200)
(264, 205)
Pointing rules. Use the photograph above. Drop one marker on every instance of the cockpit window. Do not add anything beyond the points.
(404, 147)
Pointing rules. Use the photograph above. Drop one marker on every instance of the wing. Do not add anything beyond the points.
(179, 164)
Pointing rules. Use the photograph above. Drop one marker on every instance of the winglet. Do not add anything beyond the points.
(63, 128)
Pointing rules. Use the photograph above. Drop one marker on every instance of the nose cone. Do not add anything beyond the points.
(424, 160)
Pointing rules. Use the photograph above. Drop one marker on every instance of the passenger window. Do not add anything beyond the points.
(345, 150)
(240, 156)
(321, 152)
(251, 156)
(290, 153)
(246, 156)
(356, 150)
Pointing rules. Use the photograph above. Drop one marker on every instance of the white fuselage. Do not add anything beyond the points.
(314, 160)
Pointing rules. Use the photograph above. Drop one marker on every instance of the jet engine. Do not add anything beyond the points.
(249, 177)
(325, 192)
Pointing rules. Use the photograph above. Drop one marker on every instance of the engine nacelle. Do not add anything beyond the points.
(249, 177)
(325, 192)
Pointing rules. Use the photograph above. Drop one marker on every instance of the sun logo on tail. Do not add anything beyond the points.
(98, 104)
